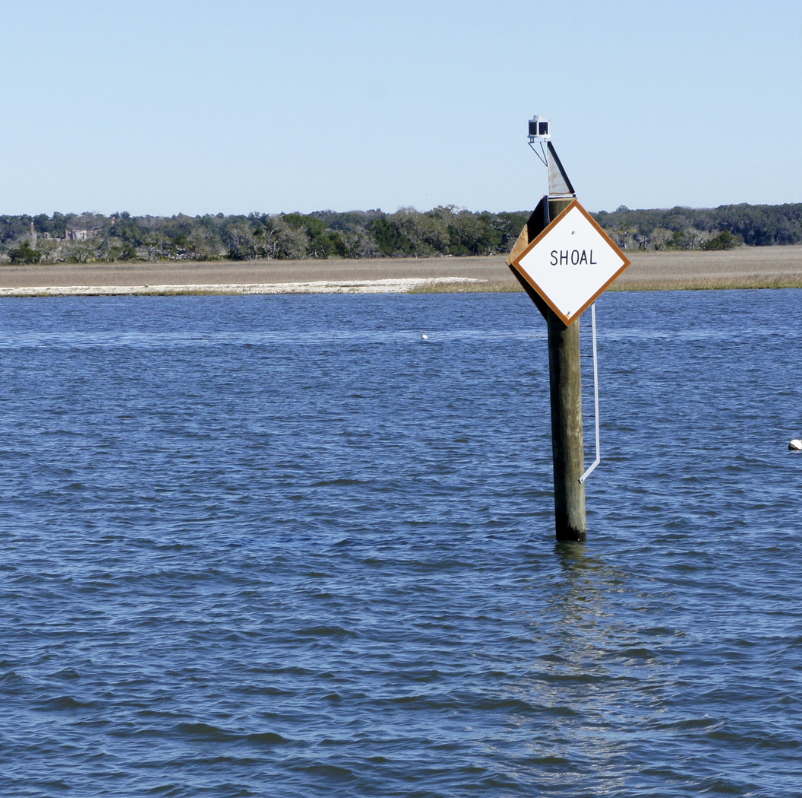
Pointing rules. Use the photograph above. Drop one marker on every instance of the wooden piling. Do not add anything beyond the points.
(567, 445)
(565, 383)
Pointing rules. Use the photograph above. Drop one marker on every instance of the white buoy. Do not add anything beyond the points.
(426, 338)
(795, 445)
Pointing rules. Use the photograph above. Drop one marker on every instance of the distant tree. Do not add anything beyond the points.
(202, 243)
(510, 224)
(428, 231)
(24, 253)
(127, 252)
(624, 235)
(13, 227)
(128, 229)
(444, 230)
(390, 240)
(41, 223)
(81, 251)
(240, 240)
(660, 237)
(724, 240)
(361, 243)
(677, 241)
(474, 234)
(283, 241)
(323, 242)
(58, 225)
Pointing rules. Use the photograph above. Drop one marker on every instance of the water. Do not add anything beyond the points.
(282, 546)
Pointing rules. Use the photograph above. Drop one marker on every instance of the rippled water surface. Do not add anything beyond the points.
(283, 546)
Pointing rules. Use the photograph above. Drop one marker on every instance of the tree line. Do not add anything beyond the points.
(442, 231)
(724, 227)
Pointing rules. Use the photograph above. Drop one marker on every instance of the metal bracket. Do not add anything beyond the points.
(595, 396)
(542, 154)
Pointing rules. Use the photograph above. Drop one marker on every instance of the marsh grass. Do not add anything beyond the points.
(709, 283)
(477, 287)
(698, 284)
(187, 292)
(146, 292)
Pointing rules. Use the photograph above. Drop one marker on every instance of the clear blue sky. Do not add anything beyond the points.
(205, 106)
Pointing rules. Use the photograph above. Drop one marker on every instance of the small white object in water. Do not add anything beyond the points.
(426, 338)
(795, 445)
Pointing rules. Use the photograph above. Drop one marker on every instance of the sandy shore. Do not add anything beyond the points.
(752, 267)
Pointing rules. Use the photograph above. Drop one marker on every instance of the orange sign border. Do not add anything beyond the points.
(516, 264)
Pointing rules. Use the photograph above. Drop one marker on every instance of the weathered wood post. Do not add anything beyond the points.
(565, 384)
(567, 444)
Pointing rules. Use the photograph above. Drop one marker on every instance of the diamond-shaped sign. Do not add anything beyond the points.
(571, 263)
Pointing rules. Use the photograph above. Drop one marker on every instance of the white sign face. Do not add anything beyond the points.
(571, 263)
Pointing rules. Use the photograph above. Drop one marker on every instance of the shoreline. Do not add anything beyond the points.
(743, 268)
(388, 286)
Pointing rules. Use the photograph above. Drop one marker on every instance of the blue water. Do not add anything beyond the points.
(283, 546)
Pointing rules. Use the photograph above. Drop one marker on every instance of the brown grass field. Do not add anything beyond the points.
(747, 267)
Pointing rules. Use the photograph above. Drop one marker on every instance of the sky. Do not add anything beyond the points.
(232, 106)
